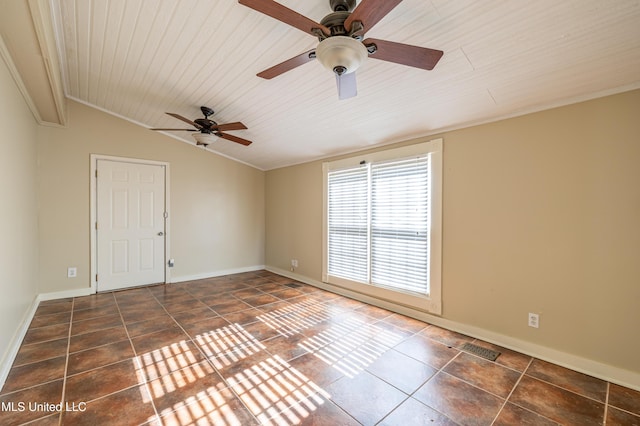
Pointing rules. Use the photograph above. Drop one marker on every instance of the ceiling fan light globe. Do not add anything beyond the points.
(341, 52)
(204, 138)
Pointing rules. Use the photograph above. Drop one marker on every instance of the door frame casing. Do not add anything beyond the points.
(93, 213)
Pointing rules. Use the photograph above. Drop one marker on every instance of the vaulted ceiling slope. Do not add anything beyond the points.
(141, 58)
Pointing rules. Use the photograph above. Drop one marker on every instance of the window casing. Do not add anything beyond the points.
(382, 225)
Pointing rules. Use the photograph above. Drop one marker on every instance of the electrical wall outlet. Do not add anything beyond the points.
(72, 272)
(534, 320)
(294, 263)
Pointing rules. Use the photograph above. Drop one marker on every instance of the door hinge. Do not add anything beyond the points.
(96, 225)
(96, 173)
(96, 277)
(166, 215)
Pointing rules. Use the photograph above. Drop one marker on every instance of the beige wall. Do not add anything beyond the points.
(18, 214)
(216, 204)
(541, 213)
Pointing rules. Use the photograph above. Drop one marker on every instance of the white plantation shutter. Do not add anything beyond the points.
(400, 224)
(348, 237)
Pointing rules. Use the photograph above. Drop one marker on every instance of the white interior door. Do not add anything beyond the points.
(130, 224)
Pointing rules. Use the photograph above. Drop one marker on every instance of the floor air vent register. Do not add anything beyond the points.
(485, 353)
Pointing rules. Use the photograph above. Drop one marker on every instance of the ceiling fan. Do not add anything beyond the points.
(207, 130)
(342, 48)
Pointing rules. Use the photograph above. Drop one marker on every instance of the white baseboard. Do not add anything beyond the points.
(14, 346)
(622, 377)
(213, 274)
(78, 292)
(16, 341)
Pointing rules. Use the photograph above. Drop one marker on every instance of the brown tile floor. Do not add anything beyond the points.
(257, 348)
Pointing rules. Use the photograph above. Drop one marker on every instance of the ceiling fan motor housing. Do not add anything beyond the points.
(205, 124)
(335, 22)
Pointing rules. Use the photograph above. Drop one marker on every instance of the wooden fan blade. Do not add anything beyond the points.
(286, 15)
(370, 12)
(347, 87)
(405, 54)
(288, 65)
(176, 130)
(186, 120)
(229, 126)
(234, 139)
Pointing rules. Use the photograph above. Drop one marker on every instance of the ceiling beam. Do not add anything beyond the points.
(28, 47)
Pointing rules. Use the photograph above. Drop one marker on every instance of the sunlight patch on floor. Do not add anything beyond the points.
(273, 387)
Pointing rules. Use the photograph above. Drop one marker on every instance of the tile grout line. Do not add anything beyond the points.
(66, 361)
(314, 352)
(511, 392)
(135, 358)
(192, 338)
(438, 371)
(606, 405)
(495, 363)
(410, 395)
(271, 355)
(97, 368)
(568, 390)
(554, 384)
(460, 351)
(624, 410)
(230, 387)
(549, 383)
(185, 331)
(209, 361)
(287, 363)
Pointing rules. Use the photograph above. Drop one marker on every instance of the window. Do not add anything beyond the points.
(382, 224)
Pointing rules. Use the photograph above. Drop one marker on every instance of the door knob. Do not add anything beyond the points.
(160, 234)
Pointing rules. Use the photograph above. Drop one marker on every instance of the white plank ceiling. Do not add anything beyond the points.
(140, 58)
